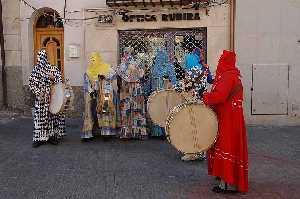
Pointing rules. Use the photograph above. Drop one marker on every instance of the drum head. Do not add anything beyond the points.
(57, 98)
(160, 103)
(192, 127)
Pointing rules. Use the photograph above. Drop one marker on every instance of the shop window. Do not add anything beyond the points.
(177, 42)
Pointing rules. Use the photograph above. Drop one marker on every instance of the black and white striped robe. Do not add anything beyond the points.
(46, 124)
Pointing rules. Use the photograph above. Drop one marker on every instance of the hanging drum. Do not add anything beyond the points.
(160, 103)
(192, 127)
(61, 99)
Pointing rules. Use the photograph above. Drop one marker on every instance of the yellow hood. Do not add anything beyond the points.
(97, 67)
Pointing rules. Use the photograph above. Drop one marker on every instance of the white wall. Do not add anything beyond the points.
(105, 39)
(27, 18)
(267, 33)
(73, 34)
(90, 38)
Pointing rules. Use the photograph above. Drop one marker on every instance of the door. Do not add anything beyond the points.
(52, 40)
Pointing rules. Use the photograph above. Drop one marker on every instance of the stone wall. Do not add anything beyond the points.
(15, 92)
(12, 37)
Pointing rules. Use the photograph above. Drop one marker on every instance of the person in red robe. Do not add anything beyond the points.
(228, 158)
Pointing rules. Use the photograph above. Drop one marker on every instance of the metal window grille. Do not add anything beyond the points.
(177, 42)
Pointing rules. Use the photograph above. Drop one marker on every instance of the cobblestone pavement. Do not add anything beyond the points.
(133, 169)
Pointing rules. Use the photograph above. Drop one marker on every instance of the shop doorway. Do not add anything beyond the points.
(49, 35)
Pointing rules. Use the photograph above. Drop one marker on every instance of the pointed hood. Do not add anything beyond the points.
(193, 60)
(42, 59)
(96, 66)
(227, 63)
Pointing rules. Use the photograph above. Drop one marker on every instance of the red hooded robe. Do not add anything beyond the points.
(228, 158)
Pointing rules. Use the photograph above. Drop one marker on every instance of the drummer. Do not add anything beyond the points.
(48, 127)
(196, 78)
(228, 159)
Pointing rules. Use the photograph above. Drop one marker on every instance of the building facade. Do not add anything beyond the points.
(267, 40)
(12, 36)
(266, 55)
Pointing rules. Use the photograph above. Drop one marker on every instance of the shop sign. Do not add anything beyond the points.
(180, 16)
(163, 17)
(139, 18)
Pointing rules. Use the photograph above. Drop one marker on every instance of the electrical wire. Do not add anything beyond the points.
(77, 22)
(121, 11)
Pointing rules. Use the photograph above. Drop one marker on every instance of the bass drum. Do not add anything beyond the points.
(192, 127)
(160, 103)
(61, 98)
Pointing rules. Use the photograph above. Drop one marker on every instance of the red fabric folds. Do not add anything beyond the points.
(228, 158)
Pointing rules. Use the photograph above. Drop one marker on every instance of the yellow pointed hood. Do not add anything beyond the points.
(97, 67)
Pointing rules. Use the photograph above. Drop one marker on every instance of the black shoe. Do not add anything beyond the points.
(218, 189)
(53, 140)
(36, 144)
(216, 181)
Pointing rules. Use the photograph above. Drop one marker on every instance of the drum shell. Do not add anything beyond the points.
(192, 127)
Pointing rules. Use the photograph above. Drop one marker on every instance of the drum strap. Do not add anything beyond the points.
(234, 91)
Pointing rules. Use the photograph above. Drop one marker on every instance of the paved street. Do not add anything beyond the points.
(133, 169)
